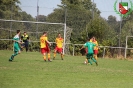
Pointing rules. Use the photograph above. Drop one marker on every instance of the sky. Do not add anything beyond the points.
(46, 7)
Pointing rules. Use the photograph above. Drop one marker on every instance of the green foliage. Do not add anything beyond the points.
(127, 29)
(41, 18)
(8, 7)
(58, 16)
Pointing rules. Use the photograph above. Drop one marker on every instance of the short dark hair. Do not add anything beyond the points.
(94, 37)
(24, 32)
(88, 39)
(44, 32)
(18, 31)
(59, 34)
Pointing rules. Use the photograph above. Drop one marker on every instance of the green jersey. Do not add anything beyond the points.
(16, 44)
(90, 47)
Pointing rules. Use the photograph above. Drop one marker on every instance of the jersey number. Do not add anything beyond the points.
(42, 40)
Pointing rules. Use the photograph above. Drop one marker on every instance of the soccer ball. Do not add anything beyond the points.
(85, 62)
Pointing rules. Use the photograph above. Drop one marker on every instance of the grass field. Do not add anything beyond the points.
(28, 70)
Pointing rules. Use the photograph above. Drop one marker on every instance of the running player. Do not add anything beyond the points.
(44, 46)
(16, 45)
(59, 46)
(25, 39)
(89, 55)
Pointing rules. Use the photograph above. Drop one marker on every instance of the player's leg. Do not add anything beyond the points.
(22, 45)
(62, 56)
(55, 50)
(86, 52)
(26, 46)
(89, 58)
(16, 52)
(48, 51)
(86, 60)
(60, 50)
(44, 56)
(43, 53)
(94, 60)
(49, 57)
(95, 54)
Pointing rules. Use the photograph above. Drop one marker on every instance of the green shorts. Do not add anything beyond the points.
(89, 55)
(16, 48)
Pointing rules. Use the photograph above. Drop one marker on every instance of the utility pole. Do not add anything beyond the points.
(37, 20)
(120, 34)
(11, 19)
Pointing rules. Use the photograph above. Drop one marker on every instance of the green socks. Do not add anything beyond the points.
(94, 60)
(12, 57)
(89, 60)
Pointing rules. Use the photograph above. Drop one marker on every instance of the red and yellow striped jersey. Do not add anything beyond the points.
(43, 42)
(59, 42)
(95, 42)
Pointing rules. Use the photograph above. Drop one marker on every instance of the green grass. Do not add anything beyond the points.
(28, 70)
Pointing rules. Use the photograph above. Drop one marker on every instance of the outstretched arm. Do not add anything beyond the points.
(82, 47)
(48, 42)
(19, 41)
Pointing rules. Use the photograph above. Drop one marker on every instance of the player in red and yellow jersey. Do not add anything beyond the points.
(95, 48)
(59, 46)
(44, 46)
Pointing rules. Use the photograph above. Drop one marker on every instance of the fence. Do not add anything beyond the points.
(108, 51)
(104, 51)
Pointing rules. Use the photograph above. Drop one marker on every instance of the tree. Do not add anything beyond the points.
(41, 18)
(113, 23)
(127, 29)
(9, 8)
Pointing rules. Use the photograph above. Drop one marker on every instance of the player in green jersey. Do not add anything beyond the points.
(16, 45)
(90, 55)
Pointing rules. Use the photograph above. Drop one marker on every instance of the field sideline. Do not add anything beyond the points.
(28, 70)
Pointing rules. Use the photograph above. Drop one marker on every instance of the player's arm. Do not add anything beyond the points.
(48, 42)
(97, 45)
(62, 43)
(28, 37)
(56, 41)
(62, 40)
(14, 40)
(22, 37)
(83, 46)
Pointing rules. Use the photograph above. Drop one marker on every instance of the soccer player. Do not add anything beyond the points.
(93, 40)
(16, 46)
(59, 46)
(90, 46)
(25, 39)
(44, 46)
